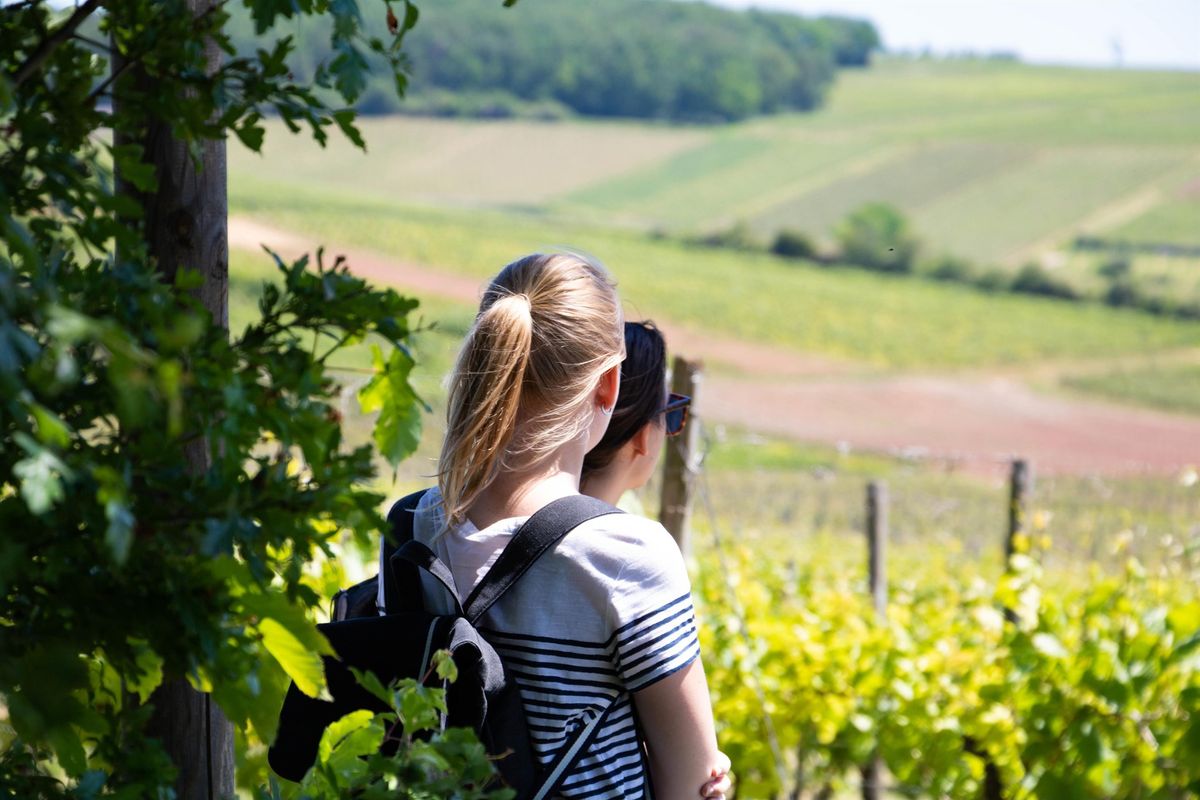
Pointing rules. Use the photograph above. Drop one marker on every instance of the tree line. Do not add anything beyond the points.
(647, 59)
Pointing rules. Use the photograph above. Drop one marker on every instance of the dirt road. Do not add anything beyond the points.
(976, 421)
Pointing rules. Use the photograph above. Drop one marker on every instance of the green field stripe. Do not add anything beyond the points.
(1169, 387)
(908, 180)
(998, 217)
(1176, 218)
(644, 187)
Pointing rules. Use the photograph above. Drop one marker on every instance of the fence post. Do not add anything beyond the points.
(1020, 488)
(1020, 485)
(679, 469)
(877, 534)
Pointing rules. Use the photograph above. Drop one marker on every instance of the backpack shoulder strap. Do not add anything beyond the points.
(403, 593)
(419, 555)
(553, 774)
(540, 532)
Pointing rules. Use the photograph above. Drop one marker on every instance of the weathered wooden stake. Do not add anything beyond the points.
(877, 534)
(1020, 490)
(680, 466)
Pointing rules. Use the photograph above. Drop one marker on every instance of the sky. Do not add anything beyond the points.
(1145, 33)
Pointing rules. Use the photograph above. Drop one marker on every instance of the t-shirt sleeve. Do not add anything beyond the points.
(651, 610)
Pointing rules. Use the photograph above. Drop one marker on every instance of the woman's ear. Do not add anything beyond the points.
(641, 441)
(610, 386)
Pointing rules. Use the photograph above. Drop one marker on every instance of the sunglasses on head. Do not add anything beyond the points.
(675, 413)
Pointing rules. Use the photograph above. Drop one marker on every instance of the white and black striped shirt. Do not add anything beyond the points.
(606, 612)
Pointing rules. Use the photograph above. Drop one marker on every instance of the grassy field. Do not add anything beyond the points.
(1172, 388)
(880, 321)
(995, 162)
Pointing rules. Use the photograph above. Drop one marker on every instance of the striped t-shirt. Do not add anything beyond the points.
(606, 612)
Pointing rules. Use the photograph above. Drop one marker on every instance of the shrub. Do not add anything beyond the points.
(736, 237)
(1123, 294)
(877, 237)
(953, 270)
(793, 244)
(1035, 279)
(1115, 268)
(993, 279)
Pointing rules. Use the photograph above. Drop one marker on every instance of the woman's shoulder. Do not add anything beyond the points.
(624, 548)
(622, 530)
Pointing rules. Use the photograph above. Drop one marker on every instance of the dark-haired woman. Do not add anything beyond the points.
(644, 415)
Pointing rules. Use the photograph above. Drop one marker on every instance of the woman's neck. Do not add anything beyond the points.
(519, 493)
(604, 484)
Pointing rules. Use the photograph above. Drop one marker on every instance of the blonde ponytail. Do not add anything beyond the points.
(547, 328)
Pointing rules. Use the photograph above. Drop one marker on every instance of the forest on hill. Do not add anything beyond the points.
(646, 59)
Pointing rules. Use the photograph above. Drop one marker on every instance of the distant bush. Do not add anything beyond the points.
(952, 269)
(1125, 248)
(736, 237)
(1123, 294)
(793, 244)
(1115, 268)
(993, 280)
(1189, 310)
(1035, 279)
(877, 236)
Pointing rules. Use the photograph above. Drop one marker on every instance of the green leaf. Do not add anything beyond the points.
(291, 639)
(41, 476)
(112, 493)
(68, 748)
(251, 133)
(447, 670)
(346, 742)
(50, 429)
(150, 671)
(398, 427)
(345, 122)
(369, 681)
(127, 158)
(302, 665)
(420, 707)
(1049, 645)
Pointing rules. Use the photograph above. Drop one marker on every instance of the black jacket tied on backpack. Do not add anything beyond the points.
(400, 643)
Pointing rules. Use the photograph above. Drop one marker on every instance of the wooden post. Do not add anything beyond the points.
(877, 534)
(186, 227)
(1020, 489)
(680, 466)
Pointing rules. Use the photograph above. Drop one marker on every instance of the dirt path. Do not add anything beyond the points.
(976, 421)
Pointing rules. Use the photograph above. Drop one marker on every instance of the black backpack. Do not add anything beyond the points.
(400, 643)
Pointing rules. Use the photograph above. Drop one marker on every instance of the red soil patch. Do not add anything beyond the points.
(976, 423)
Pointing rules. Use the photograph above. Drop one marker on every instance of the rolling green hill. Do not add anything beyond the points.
(997, 162)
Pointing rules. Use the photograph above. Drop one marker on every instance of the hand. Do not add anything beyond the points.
(720, 783)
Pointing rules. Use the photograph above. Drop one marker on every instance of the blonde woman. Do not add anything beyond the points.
(603, 623)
